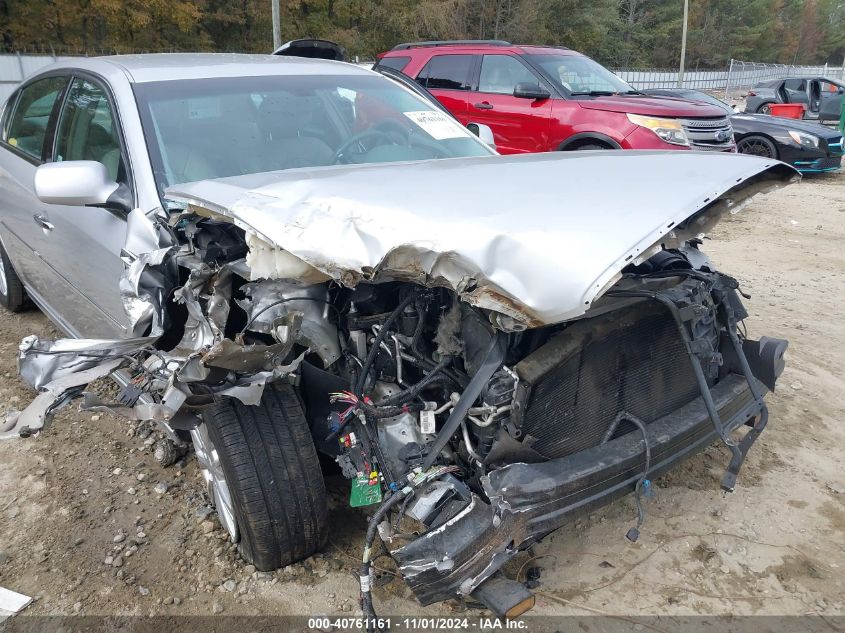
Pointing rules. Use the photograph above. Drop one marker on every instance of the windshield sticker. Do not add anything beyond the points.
(436, 124)
(204, 108)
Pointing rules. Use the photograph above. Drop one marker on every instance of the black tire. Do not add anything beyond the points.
(764, 109)
(587, 146)
(757, 146)
(273, 474)
(12, 294)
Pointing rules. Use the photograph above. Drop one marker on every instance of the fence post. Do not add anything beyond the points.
(20, 65)
(728, 79)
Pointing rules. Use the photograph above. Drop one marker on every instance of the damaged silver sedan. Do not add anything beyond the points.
(277, 258)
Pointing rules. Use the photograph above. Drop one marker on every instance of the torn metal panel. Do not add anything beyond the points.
(149, 271)
(144, 232)
(245, 358)
(60, 369)
(198, 333)
(249, 389)
(538, 262)
(142, 288)
(43, 361)
(269, 301)
(55, 395)
(220, 300)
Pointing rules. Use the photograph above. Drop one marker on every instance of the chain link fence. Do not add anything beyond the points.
(17, 66)
(735, 79)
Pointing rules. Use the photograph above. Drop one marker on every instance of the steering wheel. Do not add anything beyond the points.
(340, 155)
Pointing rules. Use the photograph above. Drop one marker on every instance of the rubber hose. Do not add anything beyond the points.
(493, 359)
(382, 334)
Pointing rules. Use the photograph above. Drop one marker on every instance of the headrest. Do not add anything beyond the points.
(285, 115)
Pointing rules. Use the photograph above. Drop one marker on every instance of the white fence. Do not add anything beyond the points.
(738, 76)
(15, 67)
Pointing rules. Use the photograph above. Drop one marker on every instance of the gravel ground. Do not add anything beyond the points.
(90, 524)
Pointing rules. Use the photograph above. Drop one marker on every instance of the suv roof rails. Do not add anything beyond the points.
(406, 46)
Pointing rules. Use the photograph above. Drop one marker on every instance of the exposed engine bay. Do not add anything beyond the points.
(475, 426)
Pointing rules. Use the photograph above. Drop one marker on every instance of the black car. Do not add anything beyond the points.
(807, 146)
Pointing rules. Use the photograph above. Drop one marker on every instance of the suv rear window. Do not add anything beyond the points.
(396, 63)
(447, 72)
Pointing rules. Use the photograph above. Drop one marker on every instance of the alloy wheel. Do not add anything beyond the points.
(755, 147)
(215, 480)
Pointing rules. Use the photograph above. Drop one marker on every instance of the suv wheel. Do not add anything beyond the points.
(12, 293)
(588, 146)
(263, 476)
(764, 109)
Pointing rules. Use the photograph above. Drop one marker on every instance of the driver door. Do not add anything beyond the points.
(795, 91)
(830, 105)
(85, 242)
(519, 125)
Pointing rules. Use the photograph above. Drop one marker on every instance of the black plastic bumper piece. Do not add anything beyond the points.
(529, 501)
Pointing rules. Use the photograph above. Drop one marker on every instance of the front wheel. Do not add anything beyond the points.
(264, 478)
(757, 146)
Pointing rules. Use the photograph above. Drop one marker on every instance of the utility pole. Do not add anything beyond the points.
(683, 45)
(277, 28)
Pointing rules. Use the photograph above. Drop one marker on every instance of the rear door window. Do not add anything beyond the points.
(28, 125)
(447, 72)
(501, 73)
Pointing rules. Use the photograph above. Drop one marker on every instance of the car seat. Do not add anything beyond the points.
(284, 120)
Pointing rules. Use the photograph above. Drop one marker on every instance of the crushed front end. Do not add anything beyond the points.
(654, 373)
(480, 377)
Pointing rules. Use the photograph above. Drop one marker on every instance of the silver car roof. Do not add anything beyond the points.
(174, 66)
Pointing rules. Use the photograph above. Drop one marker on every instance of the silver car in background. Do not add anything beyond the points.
(159, 120)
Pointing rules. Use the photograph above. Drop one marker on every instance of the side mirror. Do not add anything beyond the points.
(483, 132)
(74, 183)
(528, 90)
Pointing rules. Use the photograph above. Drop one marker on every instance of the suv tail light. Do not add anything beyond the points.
(751, 93)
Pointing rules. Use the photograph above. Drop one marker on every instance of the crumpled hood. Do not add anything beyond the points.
(535, 237)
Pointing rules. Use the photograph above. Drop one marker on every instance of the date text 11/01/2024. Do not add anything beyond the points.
(417, 623)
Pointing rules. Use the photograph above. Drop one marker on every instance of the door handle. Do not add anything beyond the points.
(484, 106)
(41, 221)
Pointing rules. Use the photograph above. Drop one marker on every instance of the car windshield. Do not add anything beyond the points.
(578, 75)
(214, 128)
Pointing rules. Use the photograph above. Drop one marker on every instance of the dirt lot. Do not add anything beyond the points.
(85, 528)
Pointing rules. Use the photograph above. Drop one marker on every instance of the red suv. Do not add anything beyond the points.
(541, 99)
